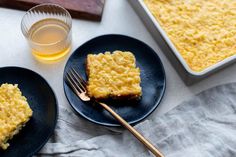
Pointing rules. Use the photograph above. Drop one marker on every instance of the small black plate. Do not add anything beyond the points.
(152, 80)
(42, 101)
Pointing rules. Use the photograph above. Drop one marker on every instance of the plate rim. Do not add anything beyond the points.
(78, 112)
(56, 106)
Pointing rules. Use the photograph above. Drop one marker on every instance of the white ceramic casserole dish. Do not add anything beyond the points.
(188, 75)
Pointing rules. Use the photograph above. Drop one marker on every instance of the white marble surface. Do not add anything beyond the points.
(118, 18)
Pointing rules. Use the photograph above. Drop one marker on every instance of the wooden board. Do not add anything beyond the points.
(85, 9)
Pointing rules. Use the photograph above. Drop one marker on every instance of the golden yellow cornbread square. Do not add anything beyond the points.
(14, 112)
(113, 75)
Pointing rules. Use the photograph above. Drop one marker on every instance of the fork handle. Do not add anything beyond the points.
(142, 139)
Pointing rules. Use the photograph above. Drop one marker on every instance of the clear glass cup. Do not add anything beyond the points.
(47, 28)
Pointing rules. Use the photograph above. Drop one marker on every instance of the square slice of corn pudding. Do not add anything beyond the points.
(14, 112)
(113, 75)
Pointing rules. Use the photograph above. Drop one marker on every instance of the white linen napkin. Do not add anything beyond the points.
(204, 126)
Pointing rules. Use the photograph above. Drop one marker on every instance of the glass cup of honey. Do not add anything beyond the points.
(47, 28)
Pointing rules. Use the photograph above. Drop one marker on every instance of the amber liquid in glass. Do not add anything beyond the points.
(50, 39)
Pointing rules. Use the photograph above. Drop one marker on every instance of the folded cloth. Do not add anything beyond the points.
(204, 126)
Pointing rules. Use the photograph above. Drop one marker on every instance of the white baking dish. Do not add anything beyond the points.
(188, 75)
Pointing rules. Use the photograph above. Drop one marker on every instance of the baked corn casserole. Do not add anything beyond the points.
(113, 75)
(204, 32)
(14, 112)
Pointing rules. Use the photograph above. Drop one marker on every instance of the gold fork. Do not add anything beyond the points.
(78, 85)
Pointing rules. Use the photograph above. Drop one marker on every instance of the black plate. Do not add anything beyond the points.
(152, 76)
(44, 105)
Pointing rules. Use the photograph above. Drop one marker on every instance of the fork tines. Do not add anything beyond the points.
(75, 80)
